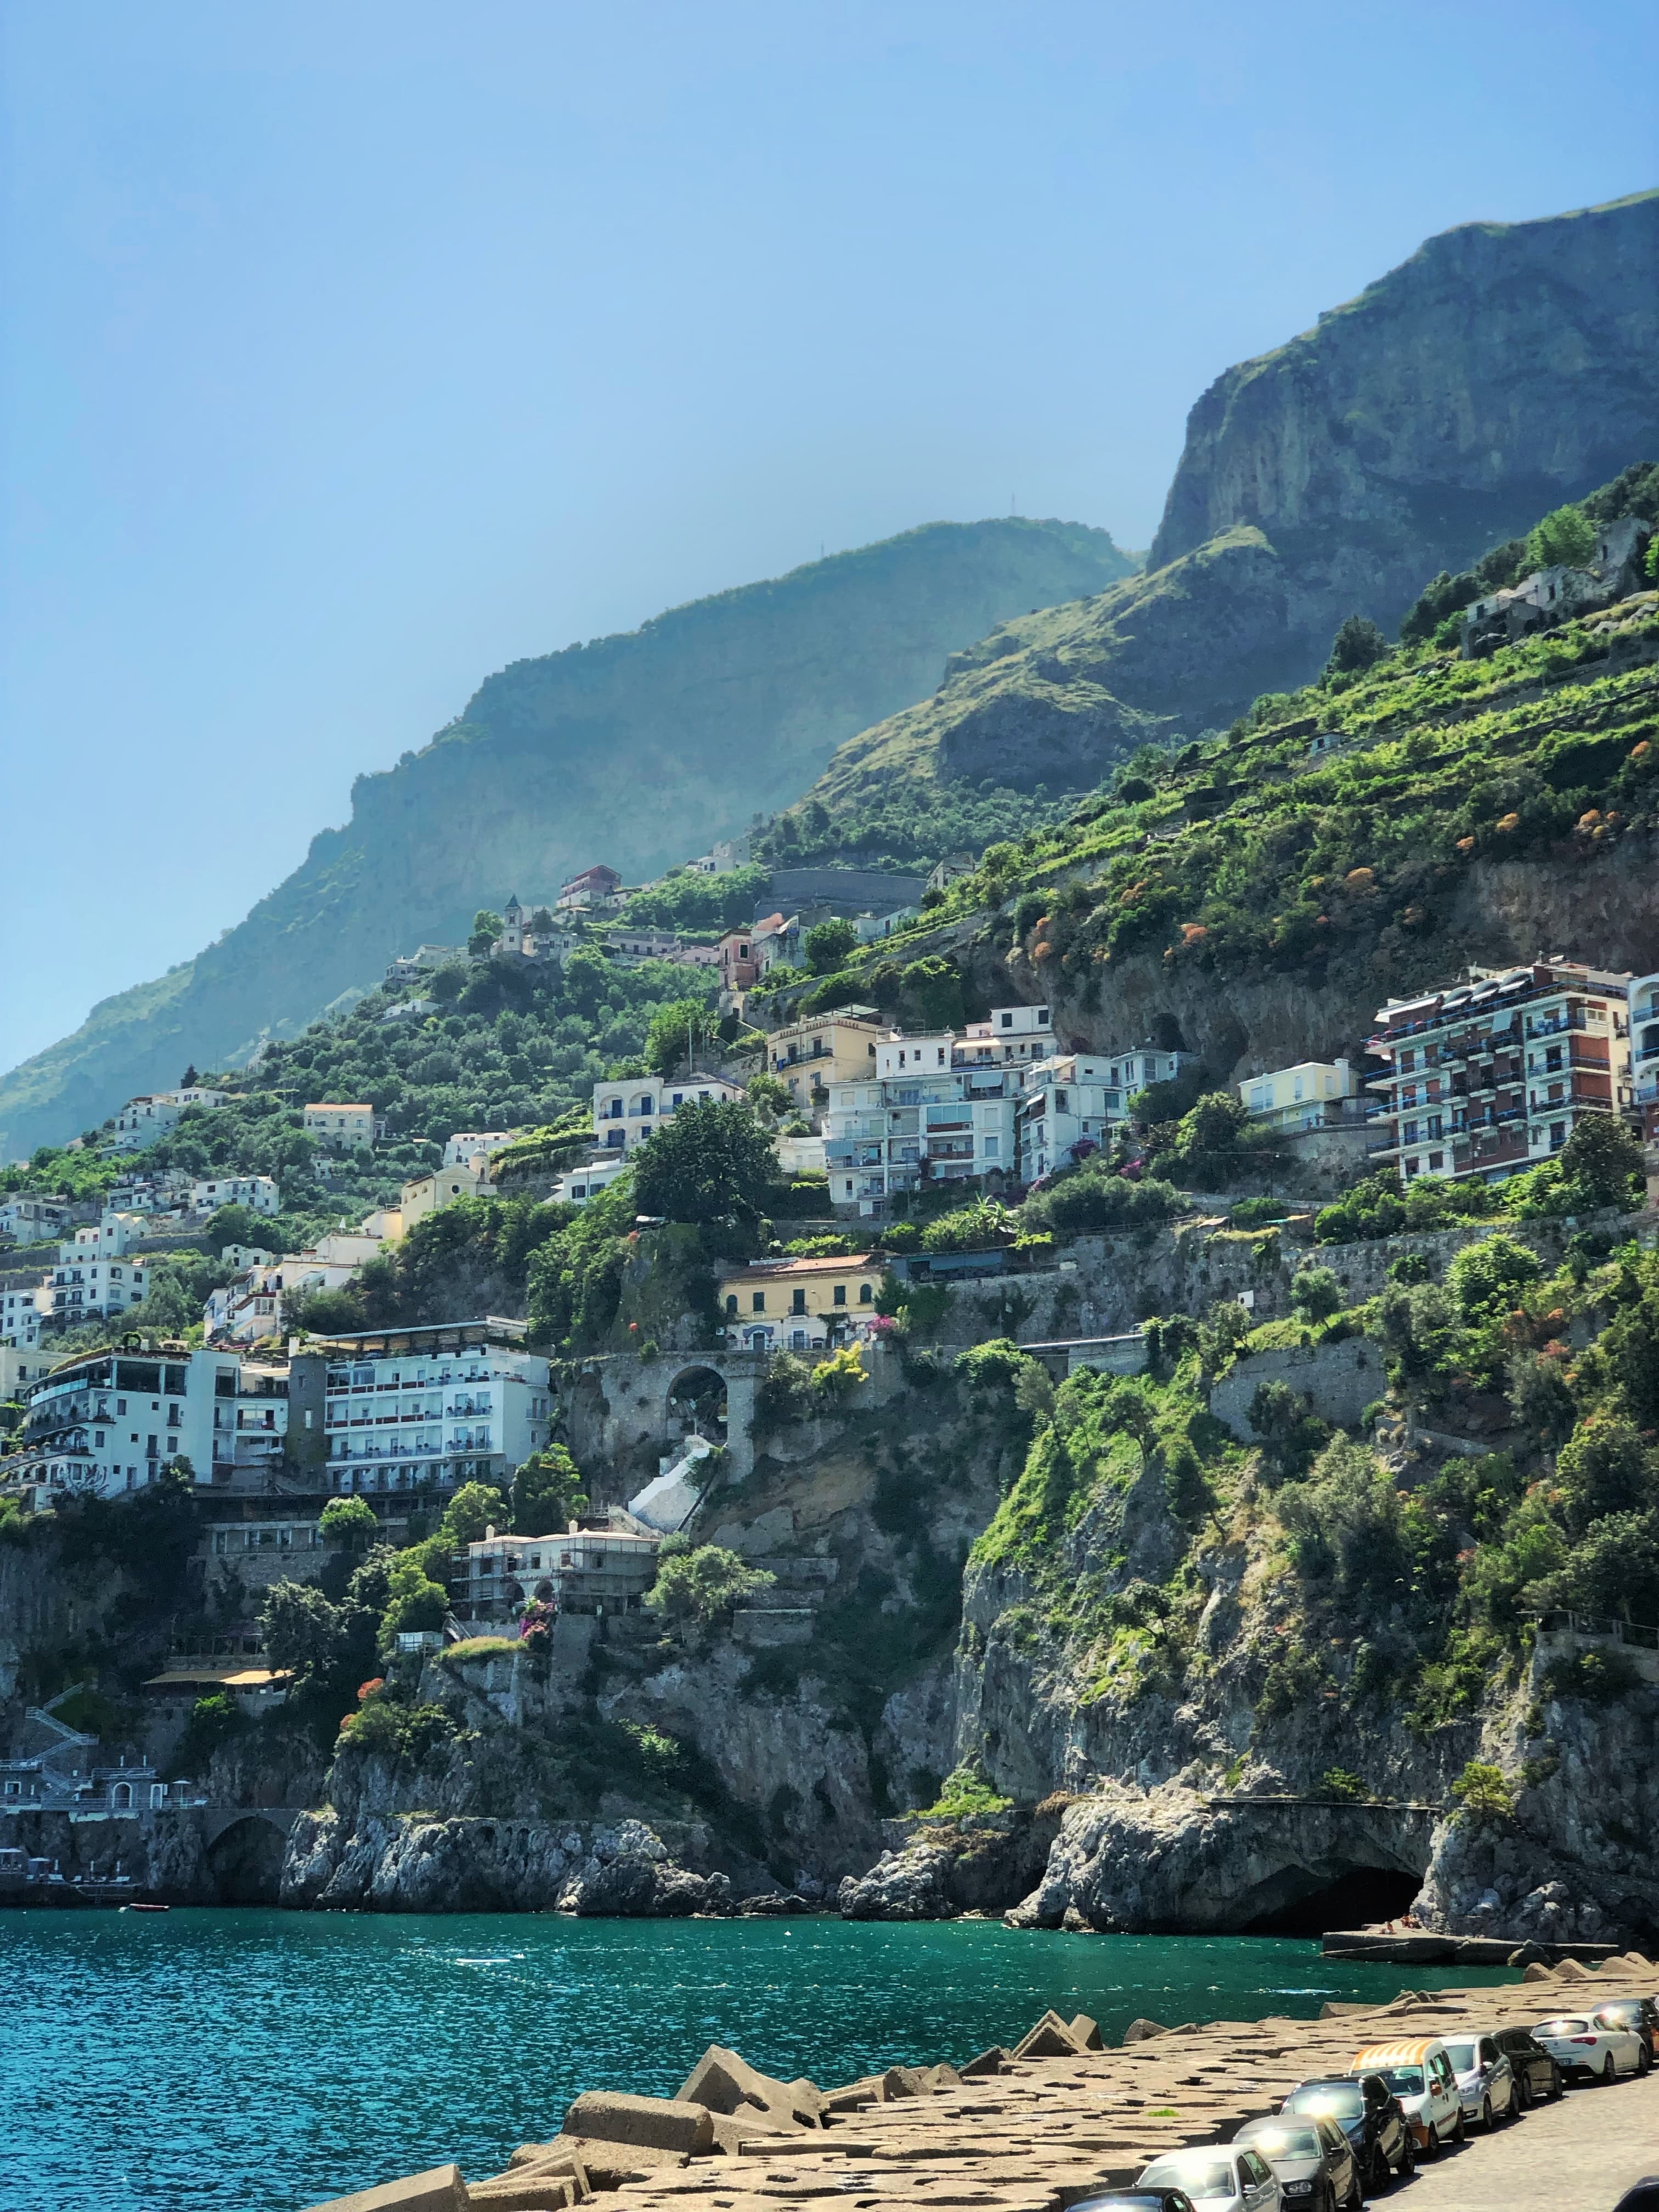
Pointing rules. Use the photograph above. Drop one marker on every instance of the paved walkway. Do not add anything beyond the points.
(1578, 2155)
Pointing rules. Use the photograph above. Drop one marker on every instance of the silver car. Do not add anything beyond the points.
(1485, 2080)
(1234, 2178)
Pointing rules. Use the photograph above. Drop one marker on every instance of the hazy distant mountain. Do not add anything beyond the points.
(638, 750)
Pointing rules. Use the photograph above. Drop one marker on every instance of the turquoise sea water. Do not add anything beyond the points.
(206, 2060)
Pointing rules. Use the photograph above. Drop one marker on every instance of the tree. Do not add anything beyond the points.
(826, 945)
(1488, 1278)
(547, 1494)
(1603, 1159)
(486, 928)
(700, 1586)
(767, 1094)
(305, 1634)
(234, 1225)
(1209, 1138)
(474, 1507)
(706, 1162)
(414, 1600)
(1358, 644)
(348, 1521)
(1484, 1795)
(1565, 538)
(1290, 1435)
(1605, 1469)
(326, 1313)
(190, 1078)
(1540, 1400)
(674, 1030)
(1316, 1293)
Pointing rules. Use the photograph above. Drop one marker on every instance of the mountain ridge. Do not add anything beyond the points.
(522, 788)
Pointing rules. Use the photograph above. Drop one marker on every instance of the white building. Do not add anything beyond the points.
(25, 1299)
(98, 1269)
(1313, 1095)
(1645, 1051)
(1066, 1104)
(149, 1191)
(1014, 1035)
(440, 1407)
(599, 1564)
(424, 960)
(31, 1220)
(110, 1422)
(258, 1193)
(340, 1129)
(469, 1145)
(577, 1185)
(923, 1116)
(626, 1113)
(872, 927)
(20, 1364)
(143, 1121)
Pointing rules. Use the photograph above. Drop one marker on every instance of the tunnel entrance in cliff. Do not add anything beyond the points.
(1307, 1901)
(697, 1405)
(245, 1863)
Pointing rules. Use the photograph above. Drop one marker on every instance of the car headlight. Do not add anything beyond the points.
(1298, 2188)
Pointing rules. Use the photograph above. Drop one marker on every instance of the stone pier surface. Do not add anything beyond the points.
(1057, 2119)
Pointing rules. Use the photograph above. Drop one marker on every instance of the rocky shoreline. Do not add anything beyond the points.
(1032, 2129)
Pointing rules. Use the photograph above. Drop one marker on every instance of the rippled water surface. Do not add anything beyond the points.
(206, 2060)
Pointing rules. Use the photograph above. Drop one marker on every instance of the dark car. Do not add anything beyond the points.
(1369, 2114)
(1313, 2158)
(1537, 2074)
(1138, 2200)
(1641, 2013)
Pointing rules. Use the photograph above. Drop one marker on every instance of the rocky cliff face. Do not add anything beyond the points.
(1502, 370)
(711, 711)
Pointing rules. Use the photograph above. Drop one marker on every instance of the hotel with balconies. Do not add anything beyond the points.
(408, 1409)
(1492, 1075)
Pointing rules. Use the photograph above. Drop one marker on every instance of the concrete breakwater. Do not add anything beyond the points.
(1034, 2128)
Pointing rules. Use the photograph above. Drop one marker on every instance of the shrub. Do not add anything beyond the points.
(1484, 1795)
(1338, 1781)
(1316, 1293)
(963, 1793)
(827, 943)
(697, 1588)
(836, 1377)
(348, 1521)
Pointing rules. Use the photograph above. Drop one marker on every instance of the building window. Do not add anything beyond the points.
(840, 1294)
(732, 1303)
(866, 1294)
(798, 1303)
(758, 1302)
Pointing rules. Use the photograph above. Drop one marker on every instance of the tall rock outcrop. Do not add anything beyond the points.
(1502, 370)
(637, 750)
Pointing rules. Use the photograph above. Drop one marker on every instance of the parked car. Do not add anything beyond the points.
(1219, 2179)
(1369, 2114)
(1583, 2050)
(1138, 2200)
(1639, 2013)
(1313, 2158)
(1538, 2078)
(1419, 2073)
(1485, 2081)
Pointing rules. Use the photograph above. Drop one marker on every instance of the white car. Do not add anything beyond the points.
(1485, 2080)
(1229, 2178)
(1580, 2048)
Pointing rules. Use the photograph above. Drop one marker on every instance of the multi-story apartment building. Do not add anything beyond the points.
(1014, 1036)
(468, 1145)
(429, 1406)
(1492, 1075)
(1644, 1052)
(596, 887)
(424, 960)
(258, 1193)
(578, 1184)
(1313, 1095)
(810, 1054)
(745, 955)
(603, 1563)
(1074, 1100)
(110, 1422)
(29, 1220)
(800, 1305)
(626, 1113)
(25, 1299)
(95, 1274)
(340, 1129)
(141, 1122)
(924, 1116)
(19, 1364)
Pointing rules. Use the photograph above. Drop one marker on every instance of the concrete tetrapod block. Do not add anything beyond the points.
(439, 2189)
(654, 2123)
(1085, 2032)
(988, 2062)
(726, 2082)
(1142, 2030)
(1051, 2037)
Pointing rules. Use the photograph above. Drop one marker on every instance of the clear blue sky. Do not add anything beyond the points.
(349, 352)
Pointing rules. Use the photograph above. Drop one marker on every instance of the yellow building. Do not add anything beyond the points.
(427, 1194)
(834, 1047)
(798, 1305)
(1311, 1096)
(341, 1127)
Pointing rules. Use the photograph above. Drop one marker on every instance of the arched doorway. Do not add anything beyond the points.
(696, 1405)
